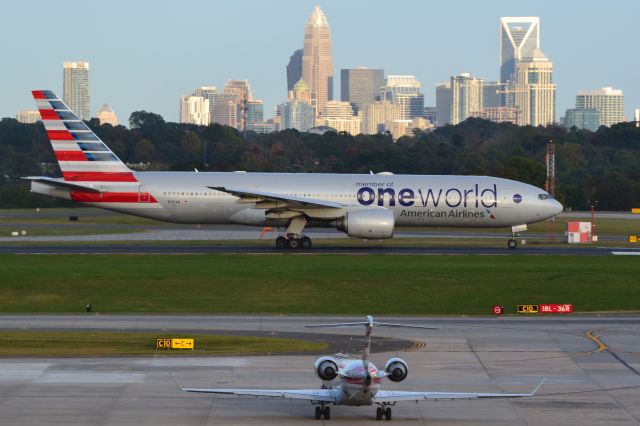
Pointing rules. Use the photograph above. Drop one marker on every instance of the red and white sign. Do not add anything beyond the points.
(555, 308)
(578, 232)
(498, 309)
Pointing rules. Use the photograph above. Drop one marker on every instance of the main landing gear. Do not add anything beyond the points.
(294, 238)
(383, 412)
(293, 242)
(323, 411)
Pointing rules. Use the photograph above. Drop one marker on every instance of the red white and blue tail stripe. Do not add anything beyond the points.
(82, 156)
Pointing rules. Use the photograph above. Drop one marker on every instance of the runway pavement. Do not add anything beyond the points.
(591, 380)
(369, 248)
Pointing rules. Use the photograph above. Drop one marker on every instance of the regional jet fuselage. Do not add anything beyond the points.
(365, 206)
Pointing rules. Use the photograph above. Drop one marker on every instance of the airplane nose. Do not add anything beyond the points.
(557, 207)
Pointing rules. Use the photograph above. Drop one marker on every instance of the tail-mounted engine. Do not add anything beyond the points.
(396, 369)
(326, 368)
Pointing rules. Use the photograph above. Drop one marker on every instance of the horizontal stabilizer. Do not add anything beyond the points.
(57, 183)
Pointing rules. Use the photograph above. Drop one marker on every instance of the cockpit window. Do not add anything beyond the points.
(545, 197)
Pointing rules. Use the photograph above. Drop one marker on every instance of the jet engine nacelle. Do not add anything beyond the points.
(373, 223)
(326, 368)
(396, 369)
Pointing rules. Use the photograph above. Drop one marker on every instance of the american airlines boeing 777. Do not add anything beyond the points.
(363, 206)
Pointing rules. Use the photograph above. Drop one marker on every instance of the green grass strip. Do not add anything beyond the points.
(314, 284)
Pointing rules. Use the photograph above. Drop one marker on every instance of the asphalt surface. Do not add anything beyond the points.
(591, 380)
(247, 249)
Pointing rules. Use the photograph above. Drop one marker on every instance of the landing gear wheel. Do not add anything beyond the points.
(387, 413)
(327, 413)
(512, 243)
(379, 413)
(318, 413)
(281, 242)
(305, 243)
(293, 243)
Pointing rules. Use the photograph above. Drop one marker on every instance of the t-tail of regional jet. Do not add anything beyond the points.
(362, 206)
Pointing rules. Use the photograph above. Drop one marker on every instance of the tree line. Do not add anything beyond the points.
(602, 165)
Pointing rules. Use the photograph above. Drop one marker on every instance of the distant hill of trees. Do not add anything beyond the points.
(602, 165)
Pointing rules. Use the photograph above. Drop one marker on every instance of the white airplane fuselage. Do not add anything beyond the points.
(354, 388)
(416, 200)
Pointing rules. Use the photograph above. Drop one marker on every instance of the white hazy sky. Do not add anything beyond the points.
(145, 54)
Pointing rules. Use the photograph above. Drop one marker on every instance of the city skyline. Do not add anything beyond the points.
(150, 76)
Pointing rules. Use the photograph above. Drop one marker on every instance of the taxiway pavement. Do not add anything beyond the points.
(591, 380)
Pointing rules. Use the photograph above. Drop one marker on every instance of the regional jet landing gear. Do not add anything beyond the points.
(294, 239)
(322, 411)
(383, 411)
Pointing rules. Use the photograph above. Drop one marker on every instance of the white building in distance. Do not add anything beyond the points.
(76, 88)
(194, 110)
(609, 101)
(107, 116)
(28, 116)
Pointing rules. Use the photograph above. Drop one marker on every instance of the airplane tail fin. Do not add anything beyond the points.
(82, 156)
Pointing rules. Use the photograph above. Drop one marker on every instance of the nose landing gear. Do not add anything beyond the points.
(322, 411)
(383, 412)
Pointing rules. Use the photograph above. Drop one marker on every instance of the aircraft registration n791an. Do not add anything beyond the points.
(354, 381)
(362, 206)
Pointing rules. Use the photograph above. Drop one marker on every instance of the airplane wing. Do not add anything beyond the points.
(252, 195)
(395, 396)
(320, 395)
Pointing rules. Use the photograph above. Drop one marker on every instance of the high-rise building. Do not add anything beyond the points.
(609, 101)
(76, 88)
(194, 110)
(636, 117)
(582, 118)
(443, 104)
(492, 94)
(466, 97)
(340, 116)
(500, 114)
(404, 90)
(225, 110)
(207, 92)
(361, 85)
(519, 36)
(377, 115)
(254, 113)
(28, 116)
(297, 113)
(535, 91)
(107, 116)
(430, 114)
(317, 62)
(294, 69)
(239, 88)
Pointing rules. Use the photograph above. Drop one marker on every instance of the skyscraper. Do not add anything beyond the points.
(361, 86)
(535, 91)
(609, 101)
(404, 90)
(194, 110)
(492, 94)
(317, 62)
(107, 116)
(294, 69)
(297, 113)
(443, 104)
(466, 97)
(376, 116)
(207, 92)
(76, 88)
(582, 118)
(28, 116)
(340, 116)
(519, 36)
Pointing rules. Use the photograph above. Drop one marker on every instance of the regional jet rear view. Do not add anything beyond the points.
(362, 206)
